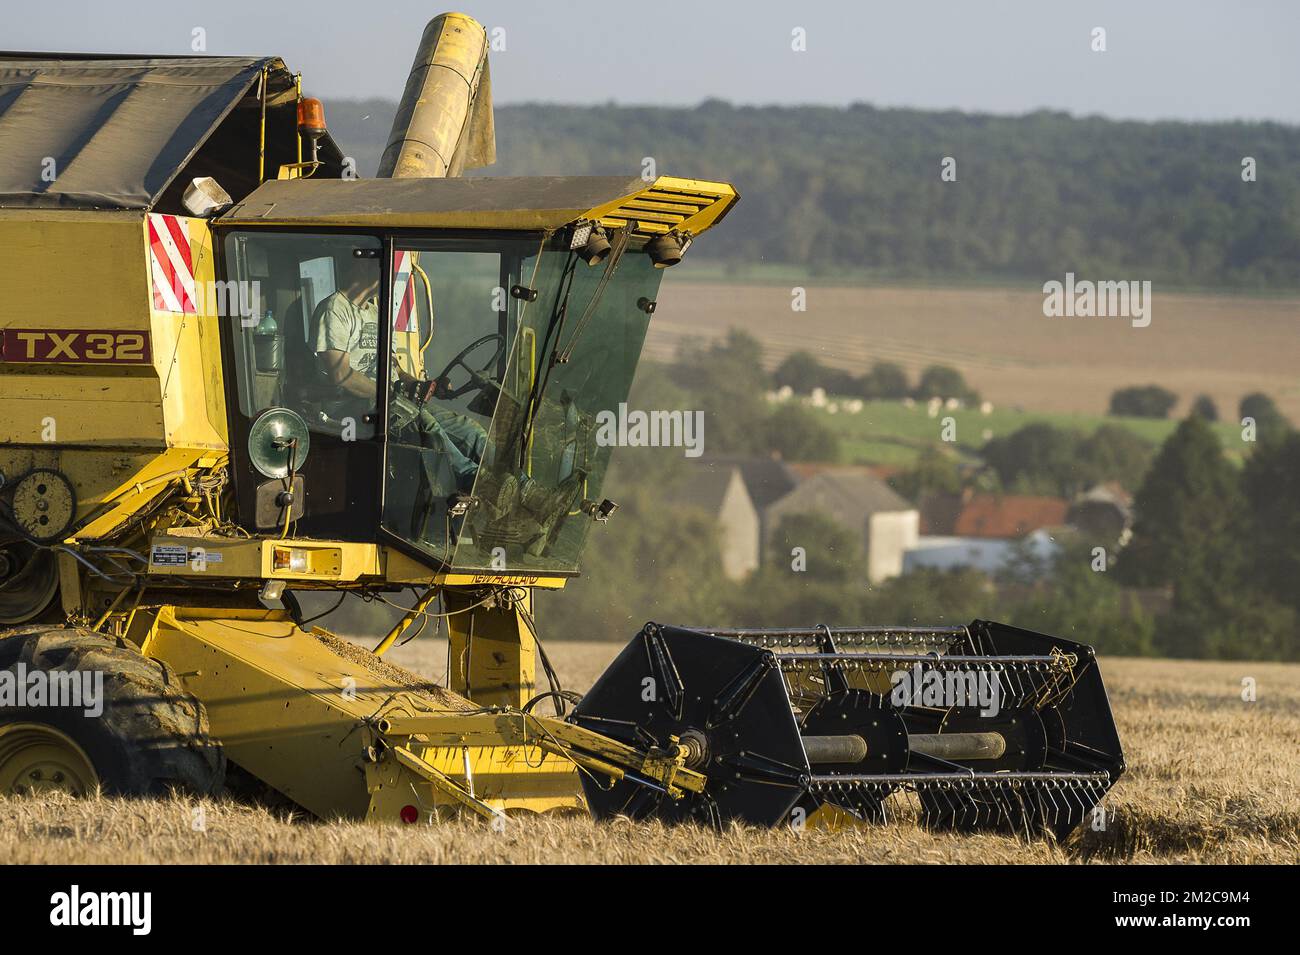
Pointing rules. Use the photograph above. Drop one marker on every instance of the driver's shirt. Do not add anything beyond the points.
(350, 328)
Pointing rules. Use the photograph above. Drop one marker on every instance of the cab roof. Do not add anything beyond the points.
(487, 202)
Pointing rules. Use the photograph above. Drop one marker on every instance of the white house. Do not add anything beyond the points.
(859, 500)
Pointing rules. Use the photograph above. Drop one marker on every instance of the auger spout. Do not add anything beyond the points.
(444, 121)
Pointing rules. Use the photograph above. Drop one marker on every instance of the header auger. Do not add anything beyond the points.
(231, 373)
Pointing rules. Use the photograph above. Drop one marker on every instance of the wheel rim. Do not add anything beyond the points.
(28, 582)
(35, 758)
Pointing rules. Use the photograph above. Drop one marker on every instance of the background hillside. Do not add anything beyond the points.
(856, 192)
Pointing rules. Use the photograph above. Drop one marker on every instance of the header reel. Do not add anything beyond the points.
(986, 727)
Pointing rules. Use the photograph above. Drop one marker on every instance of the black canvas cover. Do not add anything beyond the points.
(109, 132)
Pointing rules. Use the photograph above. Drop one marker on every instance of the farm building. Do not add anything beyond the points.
(720, 492)
(858, 500)
(983, 531)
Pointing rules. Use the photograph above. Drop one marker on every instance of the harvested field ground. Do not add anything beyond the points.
(1211, 779)
(1224, 346)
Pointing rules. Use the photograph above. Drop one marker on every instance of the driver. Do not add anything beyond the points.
(346, 347)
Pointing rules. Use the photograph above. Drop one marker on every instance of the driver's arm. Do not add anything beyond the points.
(336, 334)
(337, 366)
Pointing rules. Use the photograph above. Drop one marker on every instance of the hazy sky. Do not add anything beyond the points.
(1235, 59)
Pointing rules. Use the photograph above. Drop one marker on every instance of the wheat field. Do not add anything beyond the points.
(1211, 778)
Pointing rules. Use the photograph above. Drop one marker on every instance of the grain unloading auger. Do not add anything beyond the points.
(982, 727)
(220, 390)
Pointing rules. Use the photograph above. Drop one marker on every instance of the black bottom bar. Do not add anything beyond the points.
(273, 903)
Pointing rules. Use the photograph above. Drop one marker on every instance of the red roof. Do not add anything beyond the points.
(986, 515)
(990, 515)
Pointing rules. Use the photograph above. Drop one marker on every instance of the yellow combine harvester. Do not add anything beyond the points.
(233, 372)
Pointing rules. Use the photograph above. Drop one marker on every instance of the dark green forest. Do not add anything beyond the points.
(857, 190)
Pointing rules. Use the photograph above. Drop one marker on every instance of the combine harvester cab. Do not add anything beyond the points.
(233, 373)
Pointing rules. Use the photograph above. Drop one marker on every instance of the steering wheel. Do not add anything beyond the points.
(477, 379)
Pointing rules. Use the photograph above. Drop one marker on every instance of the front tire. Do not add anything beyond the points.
(151, 737)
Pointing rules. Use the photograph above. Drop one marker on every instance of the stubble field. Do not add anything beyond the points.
(1211, 778)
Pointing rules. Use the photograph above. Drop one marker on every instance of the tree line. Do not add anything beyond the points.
(859, 188)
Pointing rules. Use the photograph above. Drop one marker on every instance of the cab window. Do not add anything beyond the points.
(306, 315)
(453, 325)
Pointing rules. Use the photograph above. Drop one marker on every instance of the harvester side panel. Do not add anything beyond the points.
(68, 276)
(285, 708)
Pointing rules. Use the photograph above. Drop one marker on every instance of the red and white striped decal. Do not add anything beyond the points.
(403, 291)
(170, 265)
